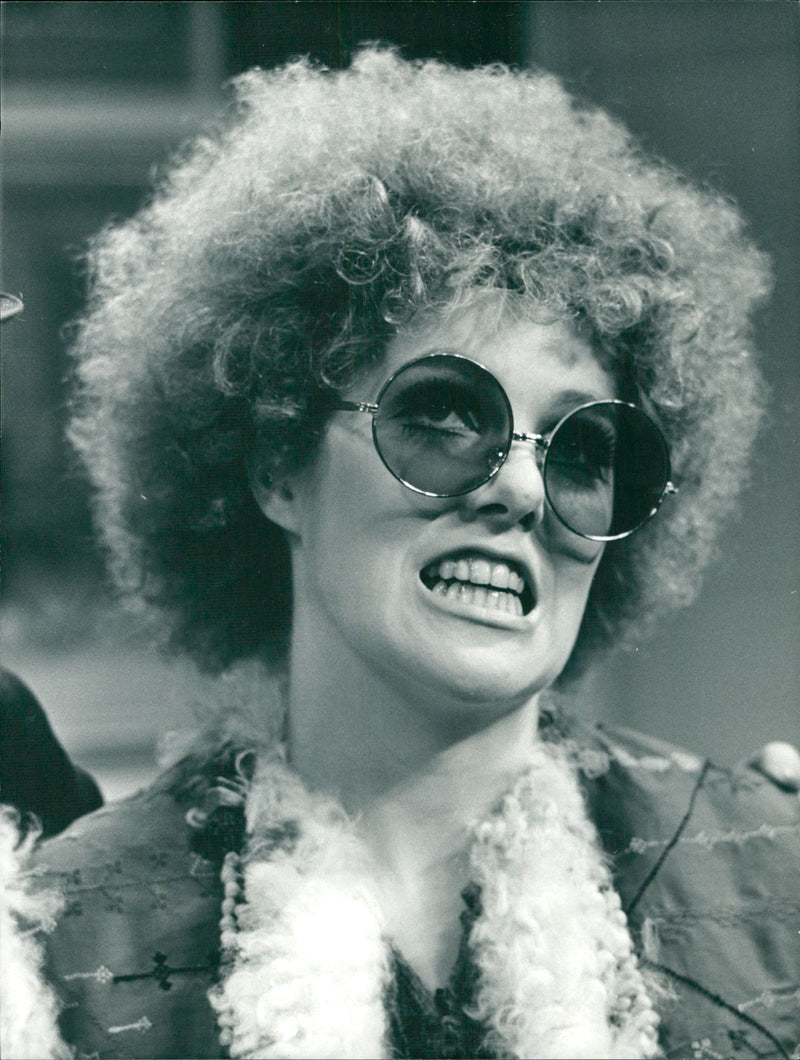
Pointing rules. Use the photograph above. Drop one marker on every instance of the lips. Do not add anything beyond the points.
(481, 580)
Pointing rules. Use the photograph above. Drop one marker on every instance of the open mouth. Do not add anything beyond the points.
(470, 578)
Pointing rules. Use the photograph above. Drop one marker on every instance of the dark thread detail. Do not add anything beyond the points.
(739, 1041)
(105, 888)
(162, 972)
(720, 1002)
(678, 833)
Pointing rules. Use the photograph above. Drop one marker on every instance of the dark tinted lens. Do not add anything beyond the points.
(606, 469)
(443, 425)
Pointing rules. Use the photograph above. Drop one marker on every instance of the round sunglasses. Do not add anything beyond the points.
(443, 426)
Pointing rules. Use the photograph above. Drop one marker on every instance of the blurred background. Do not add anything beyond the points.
(97, 95)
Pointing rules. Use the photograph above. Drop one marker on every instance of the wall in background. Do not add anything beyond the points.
(96, 95)
(715, 89)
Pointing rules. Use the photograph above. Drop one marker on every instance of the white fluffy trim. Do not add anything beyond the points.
(308, 961)
(29, 1007)
(558, 974)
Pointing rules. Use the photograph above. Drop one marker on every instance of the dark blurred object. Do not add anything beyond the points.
(36, 774)
(10, 305)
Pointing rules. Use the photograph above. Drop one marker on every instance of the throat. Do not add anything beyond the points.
(424, 918)
(420, 835)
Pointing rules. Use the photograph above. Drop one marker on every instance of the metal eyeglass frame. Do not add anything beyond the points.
(541, 442)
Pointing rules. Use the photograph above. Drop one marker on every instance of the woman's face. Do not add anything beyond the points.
(369, 555)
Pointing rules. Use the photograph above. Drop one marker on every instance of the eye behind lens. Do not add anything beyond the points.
(443, 425)
(606, 469)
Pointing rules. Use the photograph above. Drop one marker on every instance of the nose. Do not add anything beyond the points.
(515, 495)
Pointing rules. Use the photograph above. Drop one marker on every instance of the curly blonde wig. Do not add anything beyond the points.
(278, 255)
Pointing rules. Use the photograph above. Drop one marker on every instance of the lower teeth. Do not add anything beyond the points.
(480, 595)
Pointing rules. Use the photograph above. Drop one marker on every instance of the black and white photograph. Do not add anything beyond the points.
(400, 502)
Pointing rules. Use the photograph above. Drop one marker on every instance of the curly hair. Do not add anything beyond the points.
(279, 254)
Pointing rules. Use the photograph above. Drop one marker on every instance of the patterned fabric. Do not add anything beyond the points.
(706, 861)
(430, 1025)
(136, 948)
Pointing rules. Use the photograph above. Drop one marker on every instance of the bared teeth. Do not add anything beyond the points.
(477, 571)
(480, 571)
(480, 596)
(500, 577)
(481, 582)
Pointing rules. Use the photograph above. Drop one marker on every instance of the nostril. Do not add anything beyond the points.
(504, 514)
(493, 509)
(529, 521)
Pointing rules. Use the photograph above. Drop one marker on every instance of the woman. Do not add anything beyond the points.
(388, 390)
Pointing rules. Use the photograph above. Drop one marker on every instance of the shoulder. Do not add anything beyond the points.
(638, 786)
(706, 860)
(134, 949)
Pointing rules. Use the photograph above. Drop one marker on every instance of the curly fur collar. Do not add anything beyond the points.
(306, 949)
(307, 961)
(29, 1012)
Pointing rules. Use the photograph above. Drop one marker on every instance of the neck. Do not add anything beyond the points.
(371, 740)
(416, 777)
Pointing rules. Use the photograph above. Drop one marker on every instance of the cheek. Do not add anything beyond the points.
(354, 511)
(574, 576)
(334, 523)
(568, 548)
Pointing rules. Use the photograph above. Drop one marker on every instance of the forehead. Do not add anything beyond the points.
(527, 350)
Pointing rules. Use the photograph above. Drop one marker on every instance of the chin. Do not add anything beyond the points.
(489, 688)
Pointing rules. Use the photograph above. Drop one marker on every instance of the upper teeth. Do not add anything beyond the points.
(479, 572)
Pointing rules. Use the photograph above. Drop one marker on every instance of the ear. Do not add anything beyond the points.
(278, 499)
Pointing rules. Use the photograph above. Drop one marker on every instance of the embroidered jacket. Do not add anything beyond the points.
(706, 862)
